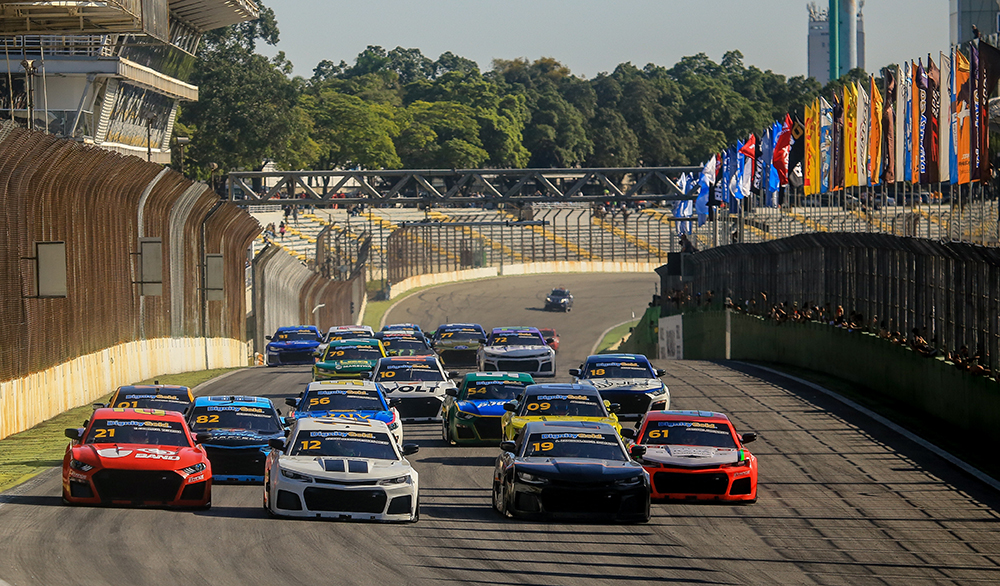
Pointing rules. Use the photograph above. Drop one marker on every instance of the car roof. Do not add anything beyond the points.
(401, 334)
(144, 388)
(557, 388)
(241, 400)
(350, 329)
(511, 376)
(354, 342)
(509, 329)
(457, 326)
(338, 424)
(312, 329)
(613, 357)
(366, 385)
(402, 326)
(686, 415)
(140, 414)
(568, 427)
(562, 289)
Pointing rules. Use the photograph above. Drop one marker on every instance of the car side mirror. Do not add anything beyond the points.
(453, 374)
(291, 402)
(276, 443)
(749, 437)
(637, 451)
(287, 421)
(482, 340)
(451, 392)
(614, 408)
(100, 405)
(507, 446)
(574, 372)
(267, 337)
(74, 433)
(410, 449)
(660, 372)
(512, 406)
(628, 433)
(202, 437)
(395, 402)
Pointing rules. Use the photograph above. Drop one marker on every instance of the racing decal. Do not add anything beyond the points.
(238, 409)
(113, 453)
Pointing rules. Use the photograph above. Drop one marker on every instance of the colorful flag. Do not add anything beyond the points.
(918, 99)
(825, 146)
(850, 136)
(864, 125)
(774, 183)
(975, 99)
(705, 183)
(762, 173)
(875, 134)
(932, 169)
(961, 113)
(810, 159)
(837, 140)
(748, 151)
(891, 75)
(907, 89)
(989, 66)
(944, 119)
(902, 87)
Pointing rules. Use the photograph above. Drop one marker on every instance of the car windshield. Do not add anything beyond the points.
(137, 431)
(260, 419)
(295, 336)
(352, 353)
(559, 293)
(618, 369)
(344, 444)
(688, 433)
(166, 401)
(404, 344)
(557, 405)
(346, 335)
(493, 390)
(517, 339)
(547, 333)
(462, 335)
(342, 400)
(411, 371)
(599, 446)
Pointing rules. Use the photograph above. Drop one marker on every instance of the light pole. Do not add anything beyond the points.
(316, 309)
(181, 142)
(29, 87)
(149, 137)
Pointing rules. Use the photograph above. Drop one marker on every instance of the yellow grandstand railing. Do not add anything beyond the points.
(501, 248)
(553, 237)
(389, 225)
(806, 221)
(634, 241)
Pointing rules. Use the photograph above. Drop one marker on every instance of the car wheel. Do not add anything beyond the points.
(65, 498)
(444, 432)
(499, 499)
(416, 514)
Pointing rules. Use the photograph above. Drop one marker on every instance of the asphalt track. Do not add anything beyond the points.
(843, 500)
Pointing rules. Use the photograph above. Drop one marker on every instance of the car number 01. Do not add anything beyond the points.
(539, 406)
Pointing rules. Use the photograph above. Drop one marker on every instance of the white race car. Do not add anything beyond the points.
(517, 349)
(626, 379)
(341, 469)
(416, 385)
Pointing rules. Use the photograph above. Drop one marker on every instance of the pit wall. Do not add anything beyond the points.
(534, 268)
(935, 388)
(27, 401)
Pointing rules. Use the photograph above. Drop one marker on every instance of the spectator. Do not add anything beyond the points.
(687, 246)
(281, 229)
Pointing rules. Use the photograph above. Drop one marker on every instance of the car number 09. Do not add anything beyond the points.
(539, 406)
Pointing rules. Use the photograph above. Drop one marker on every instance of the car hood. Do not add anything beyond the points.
(578, 469)
(338, 468)
(517, 351)
(691, 456)
(348, 365)
(238, 438)
(637, 385)
(293, 345)
(416, 388)
(457, 345)
(485, 408)
(521, 421)
(385, 416)
(138, 456)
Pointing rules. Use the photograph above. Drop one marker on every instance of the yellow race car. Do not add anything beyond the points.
(557, 402)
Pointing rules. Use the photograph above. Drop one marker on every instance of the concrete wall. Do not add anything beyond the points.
(931, 386)
(30, 400)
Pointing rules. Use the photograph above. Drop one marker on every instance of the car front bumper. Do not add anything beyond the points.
(362, 502)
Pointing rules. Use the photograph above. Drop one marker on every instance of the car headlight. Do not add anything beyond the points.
(192, 469)
(657, 392)
(396, 481)
(464, 416)
(393, 425)
(78, 465)
(295, 476)
(530, 478)
(633, 481)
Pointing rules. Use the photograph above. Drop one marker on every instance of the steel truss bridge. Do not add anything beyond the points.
(443, 186)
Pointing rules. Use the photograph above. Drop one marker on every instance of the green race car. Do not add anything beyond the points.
(472, 412)
(348, 359)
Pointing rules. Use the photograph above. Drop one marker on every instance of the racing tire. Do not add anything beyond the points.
(499, 499)
(568, 309)
(444, 433)
(65, 500)
(416, 513)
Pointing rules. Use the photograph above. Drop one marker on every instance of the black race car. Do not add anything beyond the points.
(570, 469)
(559, 300)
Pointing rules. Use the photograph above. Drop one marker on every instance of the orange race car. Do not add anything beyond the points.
(697, 455)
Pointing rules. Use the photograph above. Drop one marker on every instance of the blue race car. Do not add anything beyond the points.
(627, 379)
(293, 345)
(240, 428)
(347, 399)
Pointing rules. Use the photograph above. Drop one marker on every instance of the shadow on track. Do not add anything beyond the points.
(34, 500)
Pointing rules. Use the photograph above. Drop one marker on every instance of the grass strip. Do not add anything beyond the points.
(26, 454)
(615, 336)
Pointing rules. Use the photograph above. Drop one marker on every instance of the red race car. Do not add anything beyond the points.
(697, 455)
(551, 337)
(144, 457)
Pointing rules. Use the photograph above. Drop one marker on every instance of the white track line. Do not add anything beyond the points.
(965, 467)
(600, 338)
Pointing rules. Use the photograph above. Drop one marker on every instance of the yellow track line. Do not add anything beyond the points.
(540, 230)
(616, 231)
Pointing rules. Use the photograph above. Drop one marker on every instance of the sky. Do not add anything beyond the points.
(593, 36)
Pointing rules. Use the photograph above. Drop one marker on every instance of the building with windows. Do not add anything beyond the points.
(108, 73)
(984, 14)
(819, 40)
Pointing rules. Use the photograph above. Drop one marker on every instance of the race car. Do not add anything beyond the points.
(293, 345)
(697, 455)
(337, 333)
(551, 337)
(517, 349)
(348, 359)
(139, 457)
(418, 383)
(403, 328)
(238, 430)
(557, 402)
(472, 412)
(559, 300)
(570, 469)
(405, 343)
(155, 396)
(627, 379)
(347, 399)
(341, 469)
(458, 344)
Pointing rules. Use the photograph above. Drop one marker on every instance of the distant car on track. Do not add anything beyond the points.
(570, 469)
(627, 379)
(138, 457)
(341, 469)
(348, 359)
(559, 299)
(557, 402)
(697, 455)
(155, 396)
(517, 349)
(472, 413)
(418, 383)
(293, 345)
(238, 428)
(347, 399)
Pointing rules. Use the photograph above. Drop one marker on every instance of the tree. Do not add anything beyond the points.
(350, 132)
(440, 135)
